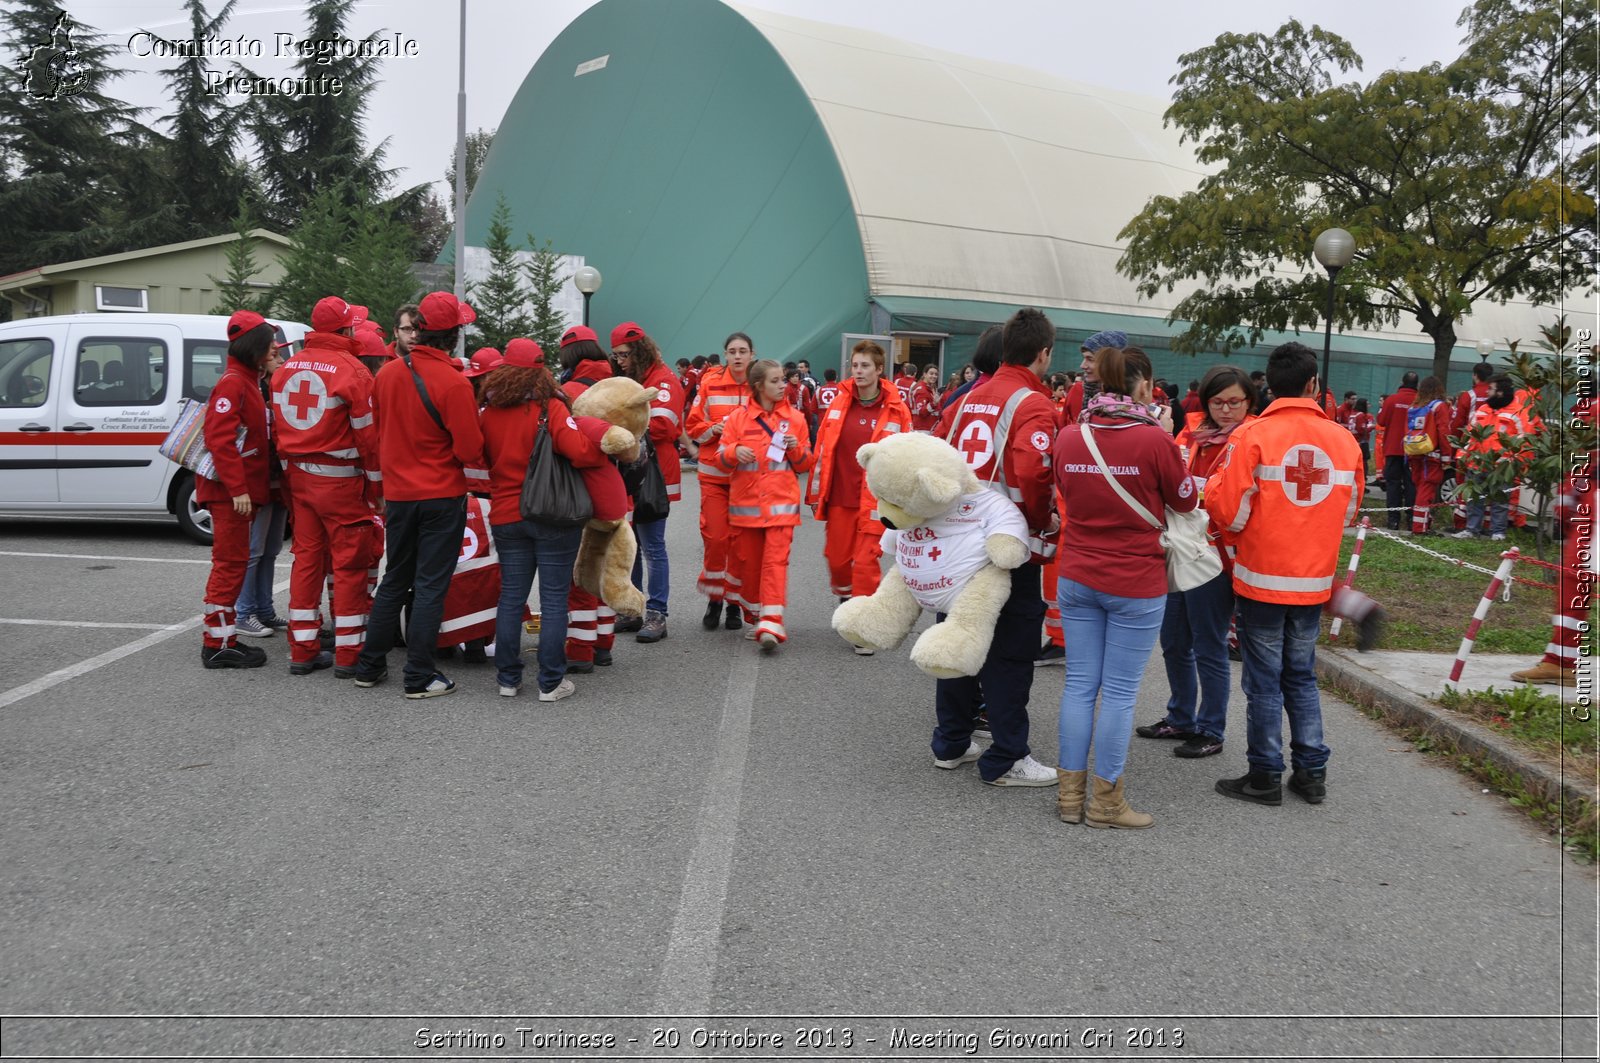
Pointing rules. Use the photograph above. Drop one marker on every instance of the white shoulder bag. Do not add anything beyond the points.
(1191, 559)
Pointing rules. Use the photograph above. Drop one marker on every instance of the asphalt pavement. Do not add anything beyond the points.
(705, 849)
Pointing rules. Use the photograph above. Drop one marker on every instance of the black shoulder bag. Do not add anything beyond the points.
(647, 485)
(553, 491)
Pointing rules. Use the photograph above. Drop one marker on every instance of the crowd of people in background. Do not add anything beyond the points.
(397, 452)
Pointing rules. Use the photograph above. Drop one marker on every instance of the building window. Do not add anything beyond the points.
(109, 297)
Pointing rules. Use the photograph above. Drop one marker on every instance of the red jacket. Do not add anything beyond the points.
(323, 400)
(591, 371)
(508, 435)
(236, 436)
(763, 493)
(1024, 474)
(893, 417)
(1467, 404)
(424, 460)
(904, 384)
(1392, 420)
(924, 406)
(718, 397)
(666, 424)
(1104, 543)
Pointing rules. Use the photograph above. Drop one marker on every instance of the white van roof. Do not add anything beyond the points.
(192, 324)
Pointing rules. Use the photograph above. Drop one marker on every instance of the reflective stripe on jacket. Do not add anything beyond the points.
(895, 417)
(719, 395)
(763, 493)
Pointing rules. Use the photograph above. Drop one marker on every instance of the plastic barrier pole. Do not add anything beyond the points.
(1501, 575)
(1350, 576)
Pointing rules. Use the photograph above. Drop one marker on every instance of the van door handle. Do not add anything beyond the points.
(79, 427)
(34, 428)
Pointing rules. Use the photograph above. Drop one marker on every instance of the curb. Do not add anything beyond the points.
(1368, 689)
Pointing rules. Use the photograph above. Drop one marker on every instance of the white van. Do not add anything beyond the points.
(85, 400)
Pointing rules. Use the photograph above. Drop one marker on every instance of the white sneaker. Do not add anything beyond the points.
(563, 689)
(1462, 534)
(974, 751)
(510, 691)
(862, 651)
(1025, 772)
(1497, 538)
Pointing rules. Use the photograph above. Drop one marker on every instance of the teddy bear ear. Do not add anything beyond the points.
(643, 398)
(939, 489)
(864, 453)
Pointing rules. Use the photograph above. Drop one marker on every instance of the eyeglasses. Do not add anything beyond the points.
(1228, 404)
(406, 328)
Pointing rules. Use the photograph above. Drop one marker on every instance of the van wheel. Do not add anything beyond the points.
(193, 518)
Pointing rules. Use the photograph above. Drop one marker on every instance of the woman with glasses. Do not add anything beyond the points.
(1194, 633)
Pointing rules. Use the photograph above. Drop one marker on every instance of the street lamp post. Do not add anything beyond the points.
(1334, 249)
(1485, 349)
(587, 280)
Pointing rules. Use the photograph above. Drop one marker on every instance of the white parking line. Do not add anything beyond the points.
(113, 557)
(79, 623)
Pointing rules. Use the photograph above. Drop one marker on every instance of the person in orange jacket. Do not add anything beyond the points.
(723, 389)
(1497, 424)
(864, 411)
(763, 445)
(1288, 484)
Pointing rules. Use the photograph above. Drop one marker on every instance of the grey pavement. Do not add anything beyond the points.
(705, 832)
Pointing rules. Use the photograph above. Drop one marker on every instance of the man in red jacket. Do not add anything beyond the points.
(1398, 489)
(429, 440)
(1004, 428)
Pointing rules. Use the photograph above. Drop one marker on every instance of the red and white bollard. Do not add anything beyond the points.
(1501, 577)
(1350, 574)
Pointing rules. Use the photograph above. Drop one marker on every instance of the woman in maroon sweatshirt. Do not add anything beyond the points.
(1113, 575)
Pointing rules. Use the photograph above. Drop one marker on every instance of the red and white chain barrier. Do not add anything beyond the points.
(1350, 575)
(1501, 577)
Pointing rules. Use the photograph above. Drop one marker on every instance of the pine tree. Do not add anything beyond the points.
(501, 299)
(545, 282)
(309, 141)
(313, 266)
(238, 290)
(209, 179)
(378, 262)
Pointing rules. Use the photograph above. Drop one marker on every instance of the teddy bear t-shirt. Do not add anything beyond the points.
(937, 558)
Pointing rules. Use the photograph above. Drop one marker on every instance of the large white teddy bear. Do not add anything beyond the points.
(953, 542)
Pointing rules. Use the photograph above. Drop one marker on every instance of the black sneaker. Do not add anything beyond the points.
(370, 679)
(1160, 730)
(980, 728)
(1310, 784)
(322, 660)
(1050, 654)
(1198, 745)
(731, 618)
(1262, 787)
(473, 653)
(713, 615)
(325, 638)
(602, 658)
(238, 656)
(346, 671)
(580, 667)
(436, 686)
(629, 624)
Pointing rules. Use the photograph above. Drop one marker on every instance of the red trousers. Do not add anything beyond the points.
(591, 625)
(332, 528)
(1428, 474)
(230, 556)
(763, 555)
(1574, 598)
(1048, 587)
(717, 580)
(852, 555)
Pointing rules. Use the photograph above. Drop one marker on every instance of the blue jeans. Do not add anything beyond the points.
(1001, 687)
(1279, 647)
(1499, 505)
(653, 549)
(526, 548)
(1194, 642)
(1109, 639)
(266, 543)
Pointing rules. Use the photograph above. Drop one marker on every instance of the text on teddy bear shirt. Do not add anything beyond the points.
(939, 557)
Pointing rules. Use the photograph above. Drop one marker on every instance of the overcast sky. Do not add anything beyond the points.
(1132, 45)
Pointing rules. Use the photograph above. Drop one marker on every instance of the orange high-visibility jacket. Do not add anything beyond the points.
(719, 396)
(764, 493)
(896, 417)
(1283, 493)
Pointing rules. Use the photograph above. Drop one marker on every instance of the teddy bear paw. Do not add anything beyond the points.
(856, 623)
(945, 651)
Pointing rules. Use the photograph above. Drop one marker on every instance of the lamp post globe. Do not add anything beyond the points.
(1335, 249)
(1485, 348)
(587, 280)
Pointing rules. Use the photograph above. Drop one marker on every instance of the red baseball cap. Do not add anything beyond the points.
(439, 311)
(483, 360)
(244, 321)
(371, 344)
(363, 315)
(524, 354)
(332, 314)
(579, 332)
(626, 332)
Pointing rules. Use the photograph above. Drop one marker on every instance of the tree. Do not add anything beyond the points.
(378, 262)
(313, 267)
(309, 141)
(545, 282)
(1466, 182)
(238, 290)
(501, 299)
(479, 141)
(209, 179)
(356, 252)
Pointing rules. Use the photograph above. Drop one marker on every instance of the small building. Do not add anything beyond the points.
(170, 279)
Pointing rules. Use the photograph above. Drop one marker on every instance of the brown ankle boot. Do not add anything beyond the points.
(1069, 794)
(1108, 808)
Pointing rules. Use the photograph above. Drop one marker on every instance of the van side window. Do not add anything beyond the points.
(204, 363)
(25, 372)
(121, 371)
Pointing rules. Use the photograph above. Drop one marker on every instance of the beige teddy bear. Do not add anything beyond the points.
(953, 541)
(605, 557)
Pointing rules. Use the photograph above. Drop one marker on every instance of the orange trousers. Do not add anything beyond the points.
(852, 555)
(763, 556)
(1047, 586)
(719, 575)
